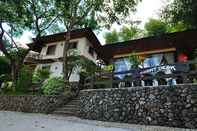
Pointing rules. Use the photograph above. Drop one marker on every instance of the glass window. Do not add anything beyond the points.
(91, 51)
(73, 45)
(51, 50)
(120, 65)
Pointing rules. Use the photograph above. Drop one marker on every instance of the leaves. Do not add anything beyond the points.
(155, 27)
(125, 34)
(182, 11)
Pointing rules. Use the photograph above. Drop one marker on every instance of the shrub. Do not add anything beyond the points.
(53, 86)
(24, 80)
(40, 75)
(6, 87)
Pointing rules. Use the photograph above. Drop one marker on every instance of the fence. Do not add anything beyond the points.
(171, 74)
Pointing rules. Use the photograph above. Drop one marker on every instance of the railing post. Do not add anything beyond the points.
(185, 75)
(111, 79)
(92, 82)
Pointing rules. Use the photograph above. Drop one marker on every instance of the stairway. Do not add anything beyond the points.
(69, 109)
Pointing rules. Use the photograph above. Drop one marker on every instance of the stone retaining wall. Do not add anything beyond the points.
(164, 105)
(36, 104)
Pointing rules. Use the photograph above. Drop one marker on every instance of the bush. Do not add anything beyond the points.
(24, 80)
(40, 75)
(6, 87)
(53, 86)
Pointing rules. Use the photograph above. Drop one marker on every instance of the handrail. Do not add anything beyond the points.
(138, 74)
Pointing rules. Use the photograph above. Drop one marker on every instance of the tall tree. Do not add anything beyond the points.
(155, 27)
(184, 11)
(41, 17)
(15, 17)
(105, 12)
(11, 16)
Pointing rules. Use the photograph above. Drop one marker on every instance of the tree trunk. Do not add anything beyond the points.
(65, 55)
(14, 74)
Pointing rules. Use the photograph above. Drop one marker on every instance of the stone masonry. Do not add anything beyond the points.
(174, 106)
(36, 104)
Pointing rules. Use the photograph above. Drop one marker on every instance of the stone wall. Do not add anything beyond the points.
(164, 105)
(36, 104)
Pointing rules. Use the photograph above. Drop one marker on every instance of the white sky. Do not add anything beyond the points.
(145, 10)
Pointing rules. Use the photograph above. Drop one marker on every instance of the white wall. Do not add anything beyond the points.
(82, 49)
(56, 68)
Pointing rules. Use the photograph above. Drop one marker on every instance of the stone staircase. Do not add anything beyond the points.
(69, 109)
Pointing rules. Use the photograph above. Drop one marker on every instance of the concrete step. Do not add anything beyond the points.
(69, 109)
(71, 106)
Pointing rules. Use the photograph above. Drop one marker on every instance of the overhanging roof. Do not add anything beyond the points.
(79, 33)
(178, 40)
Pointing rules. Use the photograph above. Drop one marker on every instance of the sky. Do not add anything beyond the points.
(145, 10)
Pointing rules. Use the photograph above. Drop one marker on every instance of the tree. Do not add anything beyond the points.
(41, 17)
(155, 27)
(125, 34)
(11, 15)
(35, 15)
(73, 12)
(4, 65)
(130, 33)
(184, 11)
(176, 27)
(111, 37)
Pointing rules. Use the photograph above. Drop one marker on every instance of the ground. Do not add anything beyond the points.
(16, 121)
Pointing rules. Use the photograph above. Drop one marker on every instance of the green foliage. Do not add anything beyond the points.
(177, 27)
(40, 75)
(135, 60)
(111, 37)
(125, 34)
(24, 80)
(42, 17)
(129, 33)
(6, 87)
(53, 86)
(88, 67)
(155, 27)
(184, 11)
(75, 62)
(4, 65)
(5, 77)
(101, 11)
(108, 68)
(12, 14)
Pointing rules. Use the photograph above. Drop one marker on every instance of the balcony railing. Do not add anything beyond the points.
(171, 74)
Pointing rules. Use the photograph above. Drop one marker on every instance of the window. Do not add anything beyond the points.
(73, 45)
(51, 50)
(91, 51)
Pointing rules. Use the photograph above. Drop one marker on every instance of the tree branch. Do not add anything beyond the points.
(2, 46)
(52, 21)
(12, 39)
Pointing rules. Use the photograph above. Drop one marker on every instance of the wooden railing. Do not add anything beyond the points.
(171, 74)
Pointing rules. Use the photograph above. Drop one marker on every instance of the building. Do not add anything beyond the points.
(50, 51)
(154, 51)
(169, 46)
